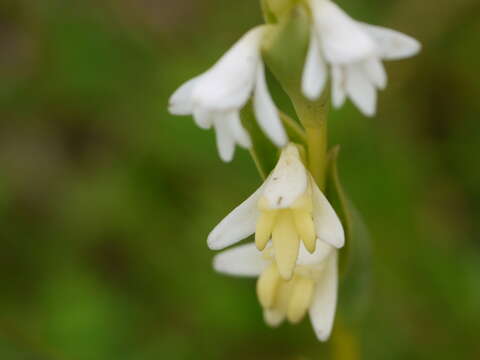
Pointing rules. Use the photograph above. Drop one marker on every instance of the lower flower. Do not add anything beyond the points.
(287, 211)
(312, 289)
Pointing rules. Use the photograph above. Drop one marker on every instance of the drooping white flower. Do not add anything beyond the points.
(312, 288)
(354, 52)
(216, 97)
(288, 208)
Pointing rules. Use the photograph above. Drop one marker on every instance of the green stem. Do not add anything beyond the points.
(313, 115)
(317, 153)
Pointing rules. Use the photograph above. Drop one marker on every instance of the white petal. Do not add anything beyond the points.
(243, 260)
(237, 225)
(359, 88)
(343, 39)
(322, 310)
(203, 117)
(376, 72)
(288, 181)
(266, 111)
(339, 92)
(322, 251)
(327, 224)
(393, 45)
(229, 83)
(180, 103)
(225, 140)
(237, 130)
(314, 74)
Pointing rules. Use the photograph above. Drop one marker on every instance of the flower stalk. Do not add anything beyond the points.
(313, 116)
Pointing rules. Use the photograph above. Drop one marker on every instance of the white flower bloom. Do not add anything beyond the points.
(288, 208)
(312, 288)
(354, 52)
(216, 97)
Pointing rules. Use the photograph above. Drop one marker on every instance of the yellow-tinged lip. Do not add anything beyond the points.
(286, 243)
(286, 227)
(284, 298)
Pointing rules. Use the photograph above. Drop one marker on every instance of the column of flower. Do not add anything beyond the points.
(298, 234)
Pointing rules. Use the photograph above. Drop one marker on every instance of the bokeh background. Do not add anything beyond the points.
(106, 200)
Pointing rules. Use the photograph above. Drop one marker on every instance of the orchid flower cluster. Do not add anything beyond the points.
(298, 234)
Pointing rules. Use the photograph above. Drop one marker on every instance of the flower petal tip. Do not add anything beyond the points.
(174, 109)
(340, 243)
(226, 159)
(416, 47)
(322, 336)
(273, 318)
(217, 264)
(282, 141)
(311, 95)
(336, 242)
(213, 243)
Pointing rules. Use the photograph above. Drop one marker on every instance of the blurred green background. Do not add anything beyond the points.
(106, 200)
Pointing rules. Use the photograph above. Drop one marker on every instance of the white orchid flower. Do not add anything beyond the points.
(216, 97)
(354, 52)
(288, 208)
(312, 288)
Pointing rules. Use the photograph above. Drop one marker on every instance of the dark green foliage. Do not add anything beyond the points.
(106, 200)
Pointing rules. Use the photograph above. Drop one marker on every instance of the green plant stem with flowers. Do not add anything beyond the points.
(307, 232)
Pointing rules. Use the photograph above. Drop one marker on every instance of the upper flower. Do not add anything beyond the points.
(312, 288)
(354, 51)
(288, 208)
(216, 97)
